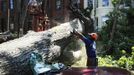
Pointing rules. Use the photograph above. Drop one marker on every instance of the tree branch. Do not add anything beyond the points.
(87, 21)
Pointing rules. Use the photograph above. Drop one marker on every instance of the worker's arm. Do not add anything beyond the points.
(80, 35)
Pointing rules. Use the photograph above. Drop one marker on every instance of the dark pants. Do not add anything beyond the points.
(92, 62)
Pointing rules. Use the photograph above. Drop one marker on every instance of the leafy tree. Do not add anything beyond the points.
(118, 34)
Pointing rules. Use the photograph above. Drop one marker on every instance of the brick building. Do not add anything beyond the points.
(13, 13)
(3, 15)
(57, 10)
(9, 15)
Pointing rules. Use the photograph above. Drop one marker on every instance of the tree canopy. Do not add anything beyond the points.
(118, 34)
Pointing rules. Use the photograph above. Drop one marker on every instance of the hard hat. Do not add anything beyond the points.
(94, 36)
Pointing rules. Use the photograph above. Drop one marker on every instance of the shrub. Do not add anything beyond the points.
(125, 61)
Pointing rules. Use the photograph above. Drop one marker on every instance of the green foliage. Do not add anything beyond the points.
(125, 61)
(120, 39)
(107, 61)
(123, 36)
(121, 47)
(114, 2)
(117, 2)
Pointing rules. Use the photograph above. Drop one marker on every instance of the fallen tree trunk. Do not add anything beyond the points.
(15, 54)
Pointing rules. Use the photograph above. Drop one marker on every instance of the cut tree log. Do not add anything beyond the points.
(15, 54)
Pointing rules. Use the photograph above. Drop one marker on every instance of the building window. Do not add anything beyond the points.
(96, 3)
(127, 3)
(90, 3)
(104, 19)
(3, 6)
(11, 5)
(105, 3)
(58, 5)
(76, 3)
(132, 3)
(96, 23)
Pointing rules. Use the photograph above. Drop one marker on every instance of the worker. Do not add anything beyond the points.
(89, 40)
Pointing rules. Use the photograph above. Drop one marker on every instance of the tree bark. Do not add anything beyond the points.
(15, 54)
(44, 6)
(114, 26)
(87, 21)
